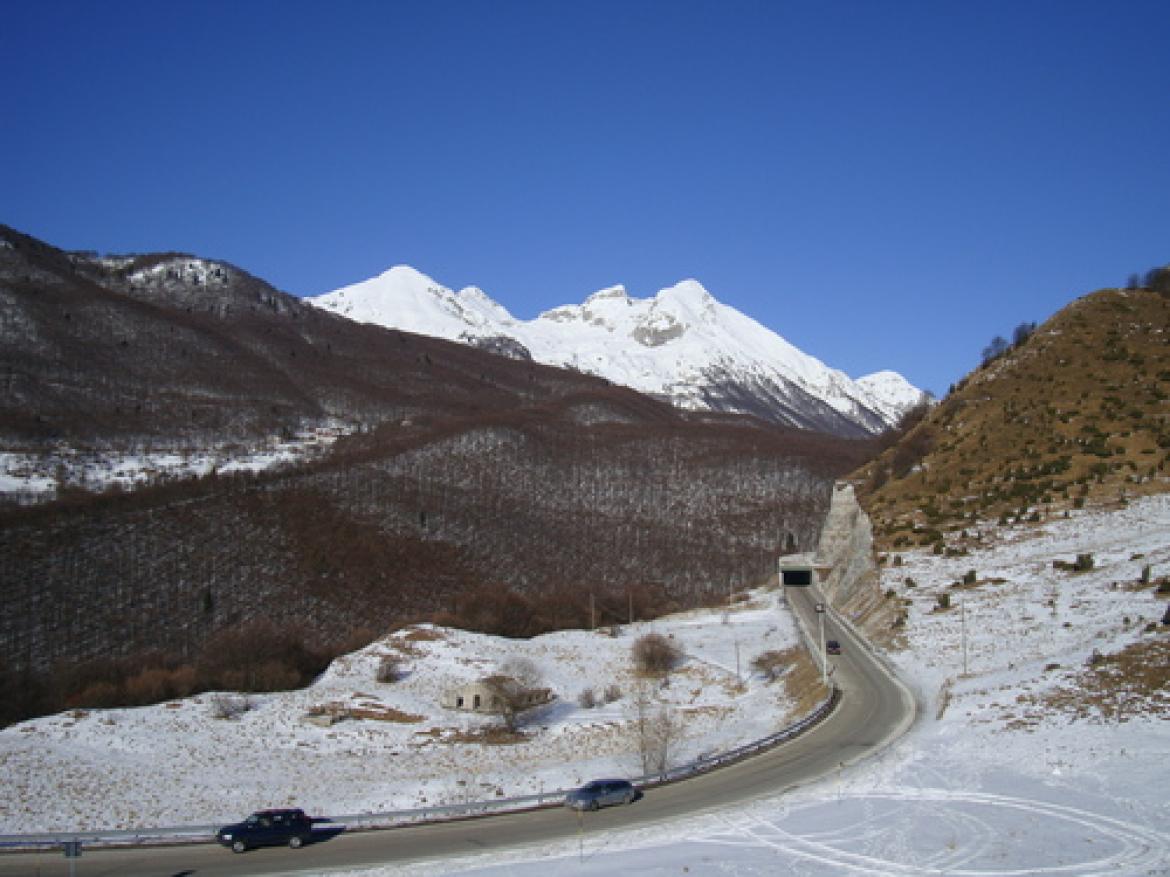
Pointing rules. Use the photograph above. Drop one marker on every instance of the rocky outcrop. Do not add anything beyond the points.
(847, 572)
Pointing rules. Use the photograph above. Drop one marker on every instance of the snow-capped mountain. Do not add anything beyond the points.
(681, 345)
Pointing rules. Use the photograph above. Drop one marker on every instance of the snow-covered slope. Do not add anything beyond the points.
(185, 763)
(1019, 763)
(682, 345)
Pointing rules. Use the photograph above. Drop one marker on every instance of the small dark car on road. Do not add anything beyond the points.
(833, 647)
(267, 828)
(601, 793)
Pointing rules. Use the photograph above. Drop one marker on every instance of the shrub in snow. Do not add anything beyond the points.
(587, 699)
(770, 663)
(1083, 563)
(654, 654)
(613, 692)
(389, 669)
(229, 706)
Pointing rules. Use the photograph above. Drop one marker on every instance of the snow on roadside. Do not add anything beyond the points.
(176, 764)
(1001, 774)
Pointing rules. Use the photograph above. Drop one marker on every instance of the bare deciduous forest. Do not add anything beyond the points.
(479, 491)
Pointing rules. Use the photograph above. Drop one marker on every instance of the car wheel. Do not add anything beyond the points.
(238, 846)
(630, 798)
(594, 805)
(296, 841)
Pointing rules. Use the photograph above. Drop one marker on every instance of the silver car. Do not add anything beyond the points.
(601, 793)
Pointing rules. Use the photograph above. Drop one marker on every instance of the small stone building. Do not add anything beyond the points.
(494, 695)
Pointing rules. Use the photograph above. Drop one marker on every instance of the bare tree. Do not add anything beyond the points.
(511, 698)
(523, 670)
(655, 728)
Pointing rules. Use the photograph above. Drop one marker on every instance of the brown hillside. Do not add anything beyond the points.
(174, 351)
(484, 491)
(1079, 413)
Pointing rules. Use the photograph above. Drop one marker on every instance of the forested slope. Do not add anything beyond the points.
(494, 494)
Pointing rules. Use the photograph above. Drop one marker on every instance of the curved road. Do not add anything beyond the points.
(874, 710)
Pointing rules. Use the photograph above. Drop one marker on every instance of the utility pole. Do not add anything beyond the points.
(592, 613)
(824, 655)
(963, 632)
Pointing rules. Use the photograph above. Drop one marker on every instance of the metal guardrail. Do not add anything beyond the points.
(438, 813)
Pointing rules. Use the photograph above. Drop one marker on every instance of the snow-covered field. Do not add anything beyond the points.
(1016, 765)
(1003, 774)
(177, 764)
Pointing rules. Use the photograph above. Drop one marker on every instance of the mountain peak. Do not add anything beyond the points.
(406, 272)
(689, 291)
(610, 293)
(681, 344)
(403, 297)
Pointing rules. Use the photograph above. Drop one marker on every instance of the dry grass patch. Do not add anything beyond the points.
(1113, 688)
(384, 714)
(802, 682)
(406, 641)
(338, 711)
(424, 634)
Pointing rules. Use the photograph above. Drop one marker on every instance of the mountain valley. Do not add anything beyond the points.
(500, 494)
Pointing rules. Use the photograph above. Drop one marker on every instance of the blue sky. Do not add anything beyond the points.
(885, 184)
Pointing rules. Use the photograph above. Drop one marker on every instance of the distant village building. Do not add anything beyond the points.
(494, 695)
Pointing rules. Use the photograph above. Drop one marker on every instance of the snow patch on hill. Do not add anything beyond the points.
(27, 478)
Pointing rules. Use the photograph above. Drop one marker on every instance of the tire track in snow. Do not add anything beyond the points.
(880, 833)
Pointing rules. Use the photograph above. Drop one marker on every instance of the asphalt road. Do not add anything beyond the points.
(873, 710)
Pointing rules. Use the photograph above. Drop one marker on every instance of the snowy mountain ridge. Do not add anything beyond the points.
(681, 344)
